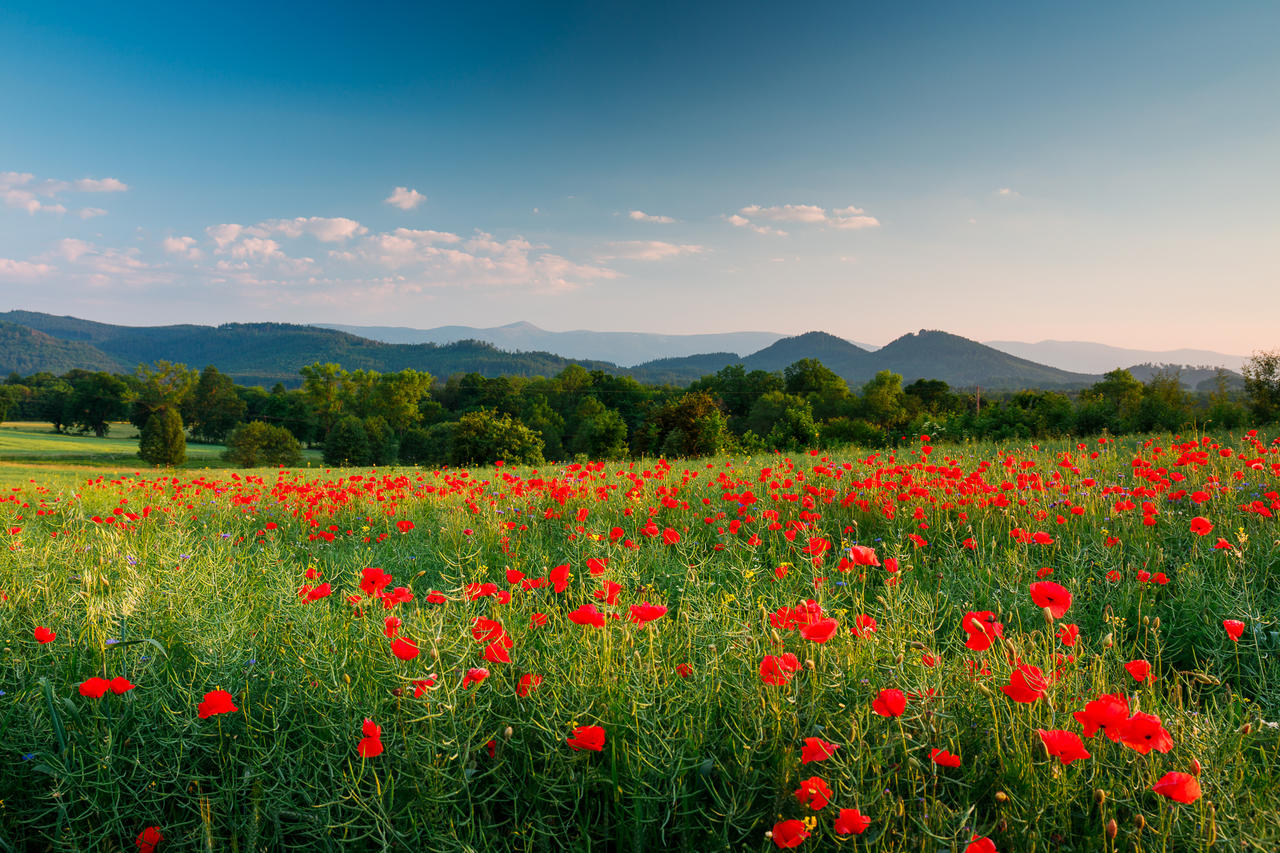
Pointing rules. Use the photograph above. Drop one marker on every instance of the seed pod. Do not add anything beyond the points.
(1139, 822)
(507, 733)
(898, 660)
(1108, 641)
(1099, 796)
(1195, 767)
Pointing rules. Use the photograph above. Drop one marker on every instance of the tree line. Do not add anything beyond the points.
(364, 417)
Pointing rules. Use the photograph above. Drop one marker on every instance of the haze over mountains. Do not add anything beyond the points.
(265, 353)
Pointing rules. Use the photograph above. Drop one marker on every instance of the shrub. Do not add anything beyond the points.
(162, 441)
(258, 444)
(347, 444)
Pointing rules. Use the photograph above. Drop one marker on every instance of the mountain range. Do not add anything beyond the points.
(266, 353)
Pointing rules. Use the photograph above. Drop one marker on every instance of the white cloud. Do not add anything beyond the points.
(641, 216)
(649, 250)
(1005, 192)
(23, 269)
(101, 267)
(182, 246)
(844, 218)
(224, 234)
(90, 212)
(324, 229)
(260, 248)
(405, 198)
(105, 185)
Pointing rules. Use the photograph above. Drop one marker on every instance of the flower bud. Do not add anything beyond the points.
(1111, 829)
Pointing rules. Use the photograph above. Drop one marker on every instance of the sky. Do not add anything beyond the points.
(1101, 171)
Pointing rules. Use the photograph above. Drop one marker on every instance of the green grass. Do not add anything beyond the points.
(201, 592)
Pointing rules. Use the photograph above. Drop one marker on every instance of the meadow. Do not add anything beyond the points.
(967, 647)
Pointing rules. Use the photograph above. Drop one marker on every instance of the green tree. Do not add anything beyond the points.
(485, 436)
(600, 432)
(162, 441)
(1262, 385)
(322, 388)
(883, 401)
(97, 399)
(257, 444)
(214, 408)
(164, 385)
(347, 443)
(690, 425)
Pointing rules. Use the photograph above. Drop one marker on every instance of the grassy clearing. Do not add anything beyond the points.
(190, 583)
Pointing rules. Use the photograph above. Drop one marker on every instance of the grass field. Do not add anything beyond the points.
(651, 655)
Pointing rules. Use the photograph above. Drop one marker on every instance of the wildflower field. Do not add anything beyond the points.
(961, 648)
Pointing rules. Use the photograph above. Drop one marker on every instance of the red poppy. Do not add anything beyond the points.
(587, 737)
(370, 745)
(609, 595)
(148, 839)
(1064, 745)
(587, 615)
(1234, 628)
(496, 652)
(560, 577)
(670, 536)
(1201, 525)
(851, 822)
(644, 613)
(1069, 634)
(890, 703)
(422, 685)
(44, 635)
(863, 556)
(475, 675)
(528, 684)
(1222, 544)
(216, 702)
(1055, 597)
(684, 669)
(317, 593)
(597, 565)
(1026, 684)
(814, 793)
(404, 525)
(981, 845)
(943, 758)
(1144, 732)
(537, 620)
(982, 628)
(404, 649)
(373, 581)
(391, 626)
(1041, 538)
(94, 688)
(121, 685)
(1140, 670)
(864, 626)
(789, 833)
(1182, 787)
(820, 631)
(777, 669)
(1108, 712)
(817, 749)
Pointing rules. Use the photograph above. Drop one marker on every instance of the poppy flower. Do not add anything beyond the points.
(587, 615)
(1144, 732)
(537, 620)
(943, 758)
(670, 536)
(475, 675)
(1182, 787)
(642, 614)
(1108, 712)
(560, 577)
(684, 669)
(817, 749)
(1234, 628)
(44, 635)
(528, 684)
(94, 688)
(981, 845)
(863, 556)
(890, 703)
(820, 631)
(1201, 525)
(496, 652)
(1069, 634)
(148, 839)
(216, 702)
(486, 630)
(777, 669)
(814, 792)
(1055, 597)
(404, 649)
(121, 685)
(373, 581)
(1041, 538)
(316, 593)
(587, 737)
(370, 745)
(1026, 684)
(789, 833)
(391, 626)
(982, 628)
(1064, 745)
(422, 685)
(851, 822)
(864, 626)
(597, 565)
(1140, 670)
(1222, 544)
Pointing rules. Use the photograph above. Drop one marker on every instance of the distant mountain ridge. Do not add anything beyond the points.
(266, 353)
(1088, 357)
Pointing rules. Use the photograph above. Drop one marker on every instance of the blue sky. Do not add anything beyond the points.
(1093, 171)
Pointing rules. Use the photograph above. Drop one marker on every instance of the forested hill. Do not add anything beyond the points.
(266, 353)
(257, 353)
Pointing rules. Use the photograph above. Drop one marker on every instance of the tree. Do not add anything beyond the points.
(163, 386)
(258, 444)
(214, 408)
(96, 399)
(690, 425)
(1262, 385)
(347, 443)
(883, 401)
(322, 386)
(600, 433)
(485, 436)
(162, 441)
